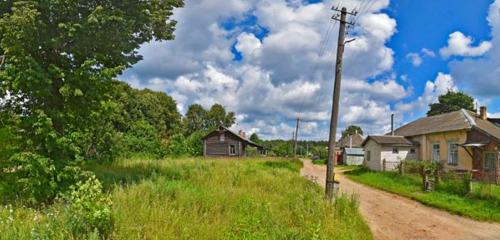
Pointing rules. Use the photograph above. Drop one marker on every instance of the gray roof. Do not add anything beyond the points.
(354, 151)
(495, 121)
(453, 121)
(398, 141)
(235, 134)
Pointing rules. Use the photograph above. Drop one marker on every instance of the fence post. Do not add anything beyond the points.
(402, 168)
(384, 165)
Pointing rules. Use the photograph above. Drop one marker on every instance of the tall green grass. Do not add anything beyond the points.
(207, 199)
(474, 205)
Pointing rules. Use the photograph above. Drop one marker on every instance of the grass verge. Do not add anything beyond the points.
(205, 199)
(475, 205)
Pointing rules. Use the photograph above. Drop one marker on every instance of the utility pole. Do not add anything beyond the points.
(295, 138)
(330, 175)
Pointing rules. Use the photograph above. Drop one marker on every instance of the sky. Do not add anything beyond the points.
(272, 61)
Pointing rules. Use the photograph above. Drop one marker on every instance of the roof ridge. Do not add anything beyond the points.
(239, 136)
(470, 120)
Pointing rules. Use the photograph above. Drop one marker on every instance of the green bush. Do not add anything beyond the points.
(143, 137)
(30, 178)
(459, 184)
(251, 152)
(412, 166)
(8, 144)
(177, 146)
(88, 209)
(195, 143)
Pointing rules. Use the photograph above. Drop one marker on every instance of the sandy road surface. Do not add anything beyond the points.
(393, 217)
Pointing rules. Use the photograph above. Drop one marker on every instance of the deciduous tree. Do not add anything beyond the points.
(60, 58)
(351, 130)
(195, 119)
(217, 116)
(450, 102)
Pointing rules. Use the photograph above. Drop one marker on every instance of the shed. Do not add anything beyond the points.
(349, 141)
(384, 153)
(353, 156)
(223, 142)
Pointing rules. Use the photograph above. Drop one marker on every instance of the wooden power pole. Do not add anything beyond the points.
(330, 175)
(295, 138)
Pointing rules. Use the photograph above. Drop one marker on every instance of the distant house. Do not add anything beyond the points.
(349, 151)
(225, 143)
(384, 153)
(460, 140)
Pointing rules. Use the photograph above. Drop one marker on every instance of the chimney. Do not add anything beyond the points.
(392, 124)
(242, 134)
(483, 113)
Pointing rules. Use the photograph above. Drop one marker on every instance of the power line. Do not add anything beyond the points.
(364, 9)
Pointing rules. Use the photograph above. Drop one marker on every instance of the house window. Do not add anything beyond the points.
(435, 152)
(232, 150)
(412, 151)
(489, 161)
(222, 137)
(452, 154)
(368, 155)
(395, 150)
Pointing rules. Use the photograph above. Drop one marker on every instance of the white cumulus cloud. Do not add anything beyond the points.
(461, 45)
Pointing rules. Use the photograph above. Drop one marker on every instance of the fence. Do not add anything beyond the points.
(390, 165)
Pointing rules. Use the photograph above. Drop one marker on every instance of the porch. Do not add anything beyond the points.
(485, 153)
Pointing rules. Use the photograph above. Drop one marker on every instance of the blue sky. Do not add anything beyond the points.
(271, 61)
(427, 24)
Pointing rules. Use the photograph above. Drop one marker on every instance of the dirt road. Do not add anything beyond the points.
(393, 217)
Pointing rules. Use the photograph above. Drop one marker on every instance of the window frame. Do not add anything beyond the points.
(494, 154)
(395, 150)
(436, 154)
(222, 137)
(451, 160)
(232, 150)
(413, 151)
(368, 155)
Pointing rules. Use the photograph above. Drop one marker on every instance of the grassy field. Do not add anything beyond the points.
(204, 199)
(483, 203)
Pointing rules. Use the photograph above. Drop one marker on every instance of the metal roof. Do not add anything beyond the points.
(354, 151)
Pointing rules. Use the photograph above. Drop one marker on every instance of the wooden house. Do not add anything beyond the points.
(223, 142)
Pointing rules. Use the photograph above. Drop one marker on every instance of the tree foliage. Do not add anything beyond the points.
(255, 138)
(450, 102)
(217, 116)
(197, 118)
(351, 130)
(60, 58)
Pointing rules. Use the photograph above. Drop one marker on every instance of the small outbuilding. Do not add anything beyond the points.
(353, 156)
(385, 153)
(223, 142)
(349, 157)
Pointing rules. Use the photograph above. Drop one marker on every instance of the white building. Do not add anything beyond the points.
(384, 153)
